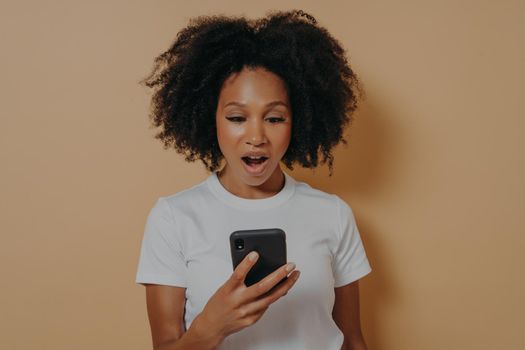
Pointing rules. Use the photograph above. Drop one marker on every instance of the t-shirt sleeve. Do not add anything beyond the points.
(161, 258)
(350, 261)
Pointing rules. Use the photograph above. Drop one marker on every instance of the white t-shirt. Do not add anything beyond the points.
(186, 244)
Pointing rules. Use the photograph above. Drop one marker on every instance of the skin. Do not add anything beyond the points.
(262, 123)
(231, 308)
(259, 125)
(346, 315)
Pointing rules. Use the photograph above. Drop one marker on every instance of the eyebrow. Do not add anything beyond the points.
(271, 104)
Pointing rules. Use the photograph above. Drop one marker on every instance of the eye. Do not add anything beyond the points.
(235, 119)
(239, 119)
(274, 120)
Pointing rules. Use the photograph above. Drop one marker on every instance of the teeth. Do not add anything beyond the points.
(255, 157)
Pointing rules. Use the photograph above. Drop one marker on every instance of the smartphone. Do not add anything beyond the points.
(270, 243)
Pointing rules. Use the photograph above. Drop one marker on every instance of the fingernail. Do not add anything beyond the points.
(252, 256)
(290, 267)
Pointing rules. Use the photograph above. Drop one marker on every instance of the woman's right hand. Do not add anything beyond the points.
(235, 306)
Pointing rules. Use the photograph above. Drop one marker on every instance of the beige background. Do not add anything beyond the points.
(434, 170)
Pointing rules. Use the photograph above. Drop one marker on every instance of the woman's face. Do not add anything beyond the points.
(254, 118)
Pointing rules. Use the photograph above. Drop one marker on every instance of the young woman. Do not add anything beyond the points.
(252, 94)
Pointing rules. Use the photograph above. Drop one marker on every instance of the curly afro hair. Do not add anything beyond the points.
(188, 77)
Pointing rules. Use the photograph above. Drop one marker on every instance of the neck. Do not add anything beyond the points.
(273, 185)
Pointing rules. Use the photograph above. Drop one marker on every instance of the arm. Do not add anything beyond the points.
(166, 317)
(234, 306)
(346, 316)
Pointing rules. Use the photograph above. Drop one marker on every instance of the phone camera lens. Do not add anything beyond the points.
(239, 244)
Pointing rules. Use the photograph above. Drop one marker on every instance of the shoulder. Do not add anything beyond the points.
(328, 205)
(186, 198)
(330, 201)
(173, 208)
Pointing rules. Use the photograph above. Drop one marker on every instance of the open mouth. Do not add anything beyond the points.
(255, 165)
(254, 161)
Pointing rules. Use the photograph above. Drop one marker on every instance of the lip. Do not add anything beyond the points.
(257, 169)
(255, 154)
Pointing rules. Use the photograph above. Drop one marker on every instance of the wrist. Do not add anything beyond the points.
(200, 329)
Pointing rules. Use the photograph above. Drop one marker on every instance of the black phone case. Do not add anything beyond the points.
(270, 243)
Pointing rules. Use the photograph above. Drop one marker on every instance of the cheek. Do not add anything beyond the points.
(230, 133)
(282, 139)
(289, 133)
(227, 134)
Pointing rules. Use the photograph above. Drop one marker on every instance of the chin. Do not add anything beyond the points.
(256, 180)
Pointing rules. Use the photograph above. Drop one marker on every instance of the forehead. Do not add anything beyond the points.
(253, 86)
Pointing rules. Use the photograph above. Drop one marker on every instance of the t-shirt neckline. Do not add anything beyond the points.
(251, 204)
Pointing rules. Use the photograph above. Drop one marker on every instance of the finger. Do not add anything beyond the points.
(239, 274)
(283, 285)
(261, 304)
(270, 281)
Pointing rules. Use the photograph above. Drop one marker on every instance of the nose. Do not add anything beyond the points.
(255, 133)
